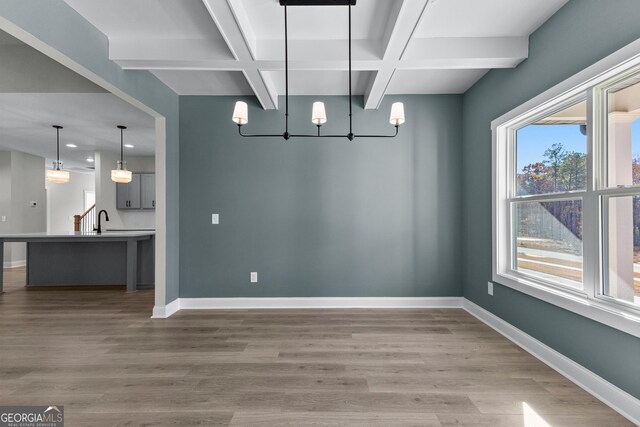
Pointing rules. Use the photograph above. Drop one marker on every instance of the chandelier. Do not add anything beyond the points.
(318, 114)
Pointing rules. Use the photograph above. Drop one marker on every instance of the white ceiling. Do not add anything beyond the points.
(89, 121)
(234, 47)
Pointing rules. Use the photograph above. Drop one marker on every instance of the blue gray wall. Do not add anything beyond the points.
(62, 28)
(580, 34)
(325, 217)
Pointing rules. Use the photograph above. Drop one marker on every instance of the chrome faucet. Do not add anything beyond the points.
(106, 218)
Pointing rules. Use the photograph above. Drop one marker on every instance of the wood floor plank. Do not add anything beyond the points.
(309, 419)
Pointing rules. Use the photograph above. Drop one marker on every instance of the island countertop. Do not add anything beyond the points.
(71, 236)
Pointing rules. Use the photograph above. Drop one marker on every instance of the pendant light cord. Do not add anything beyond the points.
(57, 148)
(121, 146)
(350, 103)
(286, 73)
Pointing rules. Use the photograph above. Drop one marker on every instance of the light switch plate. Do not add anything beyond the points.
(215, 218)
(490, 288)
(4, 218)
(254, 277)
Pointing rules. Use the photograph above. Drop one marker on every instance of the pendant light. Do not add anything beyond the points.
(318, 114)
(120, 174)
(57, 175)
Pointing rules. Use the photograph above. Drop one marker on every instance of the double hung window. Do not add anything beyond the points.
(566, 196)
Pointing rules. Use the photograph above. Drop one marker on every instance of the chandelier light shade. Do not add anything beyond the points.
(120, 174)
(397, 114)
(57, 174)
(240, 113)
(318, 114)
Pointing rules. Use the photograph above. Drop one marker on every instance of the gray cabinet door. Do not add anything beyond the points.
(148, 191)
(122, 196)
(134, 192)
(128, 195)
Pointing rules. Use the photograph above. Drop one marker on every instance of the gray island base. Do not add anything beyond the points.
(110, 258)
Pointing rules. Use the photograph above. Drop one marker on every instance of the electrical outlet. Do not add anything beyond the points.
(215, 218)
(490, 288)
(4, 218)
(254, 277)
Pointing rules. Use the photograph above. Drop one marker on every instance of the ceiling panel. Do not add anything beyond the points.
(181, 19)
(205, 82)
(369, 19)
(486, 18)
(89, 121)
(320, 82)
(433, 81)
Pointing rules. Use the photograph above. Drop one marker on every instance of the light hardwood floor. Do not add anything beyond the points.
(97, 353)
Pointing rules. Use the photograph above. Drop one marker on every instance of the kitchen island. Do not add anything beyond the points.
(110, 258)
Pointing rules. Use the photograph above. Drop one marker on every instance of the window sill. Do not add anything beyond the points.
(601, 311)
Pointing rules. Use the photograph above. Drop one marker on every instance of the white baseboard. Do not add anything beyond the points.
(619, 400)
(165, 311)
(14, 264)
(319, 302)
(162, 312)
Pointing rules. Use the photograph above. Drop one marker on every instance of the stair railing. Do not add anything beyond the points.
(86, 221)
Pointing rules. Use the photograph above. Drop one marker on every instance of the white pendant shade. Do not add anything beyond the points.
(121, 174)
(240, 113)
(397, 114)
(318, 114)
(56, 175)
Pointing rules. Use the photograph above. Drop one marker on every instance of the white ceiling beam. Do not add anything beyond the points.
(403, 20)
(462, 58)
(227, 65)
(427, 54)
(233, 24)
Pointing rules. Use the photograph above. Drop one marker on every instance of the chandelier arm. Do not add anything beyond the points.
(379, 136)
(256, 135)
(317, 136)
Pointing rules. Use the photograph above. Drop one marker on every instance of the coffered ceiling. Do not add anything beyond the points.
(235, 47)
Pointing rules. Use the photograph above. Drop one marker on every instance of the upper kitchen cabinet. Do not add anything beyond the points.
(140, 193)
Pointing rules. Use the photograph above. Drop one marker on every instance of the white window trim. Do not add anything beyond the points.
(586, 303)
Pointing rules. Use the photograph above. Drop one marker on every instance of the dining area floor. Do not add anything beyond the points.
(97, 352)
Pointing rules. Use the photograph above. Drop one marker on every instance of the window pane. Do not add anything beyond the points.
(551, 153)
(623, 280)
(623, 134)
(548, 241)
